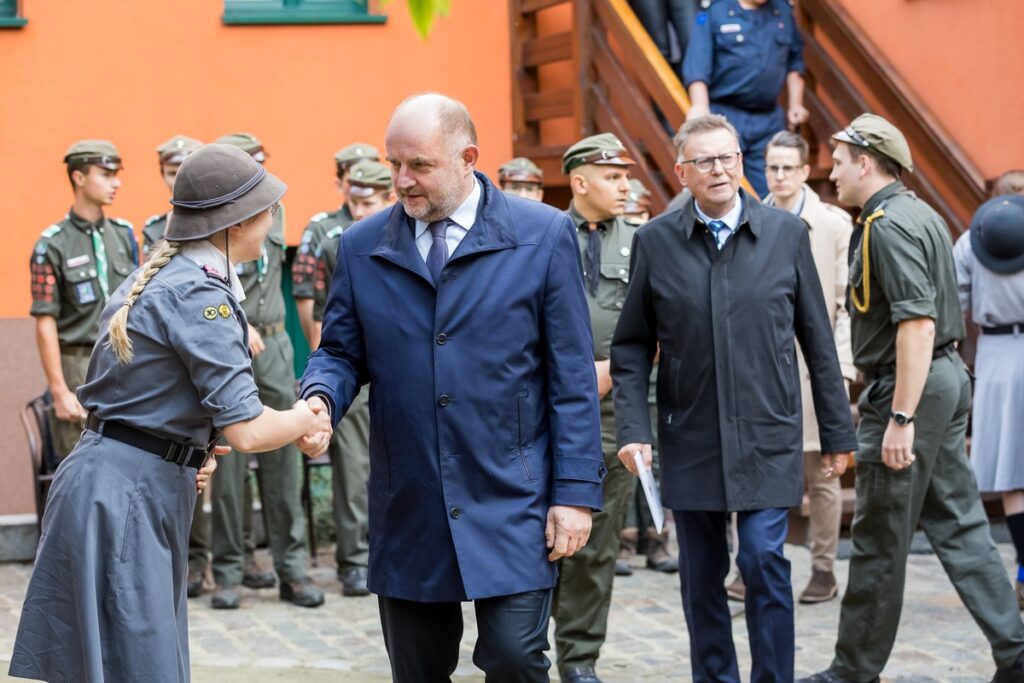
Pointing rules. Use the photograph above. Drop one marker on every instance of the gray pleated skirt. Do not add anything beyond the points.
(997, 434)
(106, 601)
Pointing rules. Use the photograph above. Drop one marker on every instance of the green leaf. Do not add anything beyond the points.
(424, 12)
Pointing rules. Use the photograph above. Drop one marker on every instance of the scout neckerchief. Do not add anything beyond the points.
(862, 305)
(101, 259)
(263, 264)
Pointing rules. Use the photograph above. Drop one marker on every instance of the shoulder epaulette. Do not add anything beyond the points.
(122, 222)
(153, 219)
(334, 232)
(52, 230)
(318, 217)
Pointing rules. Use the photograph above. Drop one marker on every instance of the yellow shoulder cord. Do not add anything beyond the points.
(862, 306)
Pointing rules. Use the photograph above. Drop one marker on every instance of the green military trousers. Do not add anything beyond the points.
(279, 479)
(939, 492)
(74, 361)
(350, 471)
(583, 594)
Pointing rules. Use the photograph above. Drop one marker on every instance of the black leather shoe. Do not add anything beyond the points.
(828, 676)
(353, 582)
(195, 584)
(225, 597)
(623, 568)
(303, 593)
(579, 674)
(254, 577)
(1011, 674)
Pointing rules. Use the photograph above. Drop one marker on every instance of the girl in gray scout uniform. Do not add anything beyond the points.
(170, 373)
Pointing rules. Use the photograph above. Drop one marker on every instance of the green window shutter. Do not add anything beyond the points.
(9, 15)
(243, 12)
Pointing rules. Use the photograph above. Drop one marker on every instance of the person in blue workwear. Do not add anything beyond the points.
(741, 55)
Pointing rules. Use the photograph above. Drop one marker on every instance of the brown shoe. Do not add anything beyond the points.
(627, 549)
(821, 588)
(655, 547)
(737, 590)
(1019, 590)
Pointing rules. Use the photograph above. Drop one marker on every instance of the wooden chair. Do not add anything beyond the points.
(35, 420)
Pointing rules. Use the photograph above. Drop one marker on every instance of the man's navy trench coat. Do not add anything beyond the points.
(730, 428)
(483, 396)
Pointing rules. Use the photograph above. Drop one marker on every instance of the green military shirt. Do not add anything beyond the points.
(66, 273)
(304, 265)
(616, 239)
(326, 260)
(910, 275)
(153, 231)
(261, 279)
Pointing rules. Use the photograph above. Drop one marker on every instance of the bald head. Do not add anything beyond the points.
(431, 146)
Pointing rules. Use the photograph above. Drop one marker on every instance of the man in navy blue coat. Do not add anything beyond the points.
(464, 310)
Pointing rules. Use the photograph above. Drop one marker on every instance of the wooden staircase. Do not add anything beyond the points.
(587, 66)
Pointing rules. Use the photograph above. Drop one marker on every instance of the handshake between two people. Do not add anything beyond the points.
(319, 428)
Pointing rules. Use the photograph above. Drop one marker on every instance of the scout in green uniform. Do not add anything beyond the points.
(272, 364)
(369, 191)
(76, 264)
(522, 178)
(912, 466)
(304, 264)
(171, 153)
(598, 170)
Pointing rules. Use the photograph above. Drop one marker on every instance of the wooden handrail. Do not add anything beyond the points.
(946, 177)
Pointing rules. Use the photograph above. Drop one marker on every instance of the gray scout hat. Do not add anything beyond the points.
(219, 186)
(368, 177)
(997, 234)
(247, 142)
(871, 131)
(175, 150)
(520, 170)
(604, 149)
(100, 153)
(354, 153)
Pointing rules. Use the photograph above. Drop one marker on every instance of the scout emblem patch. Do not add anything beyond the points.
(224, 310)
(210, 313)
(85, 292)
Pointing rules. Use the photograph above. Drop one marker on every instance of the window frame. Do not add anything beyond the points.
(294, 12)
(10, 14)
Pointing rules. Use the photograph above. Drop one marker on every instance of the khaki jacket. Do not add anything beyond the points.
(830, 229)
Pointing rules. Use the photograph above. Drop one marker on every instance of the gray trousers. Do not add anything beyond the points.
(279, 478)
(350, 471)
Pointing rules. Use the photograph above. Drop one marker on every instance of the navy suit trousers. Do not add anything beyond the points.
(703, 566)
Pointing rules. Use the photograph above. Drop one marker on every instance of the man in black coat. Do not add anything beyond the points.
(723, 287)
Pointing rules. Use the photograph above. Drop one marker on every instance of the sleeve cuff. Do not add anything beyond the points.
(248, 409)
(912, 309)
(587, 494)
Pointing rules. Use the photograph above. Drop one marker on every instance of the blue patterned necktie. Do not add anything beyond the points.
(438, 254)
(593, 257)
(721, 231)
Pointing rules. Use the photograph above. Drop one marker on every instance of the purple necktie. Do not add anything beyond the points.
(438, 254)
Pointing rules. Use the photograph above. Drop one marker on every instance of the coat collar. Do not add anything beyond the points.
(492, 231)
(879, 197)
(749, 216)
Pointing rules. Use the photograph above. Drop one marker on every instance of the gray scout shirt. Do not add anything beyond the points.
(191, 373)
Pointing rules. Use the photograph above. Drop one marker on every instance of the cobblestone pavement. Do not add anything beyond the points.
(267, 640)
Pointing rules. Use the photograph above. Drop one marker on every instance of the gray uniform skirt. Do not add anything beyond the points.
(997, 434)
(106, 601)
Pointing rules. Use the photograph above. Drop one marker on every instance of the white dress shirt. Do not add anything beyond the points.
(731, 219)
(462, 220)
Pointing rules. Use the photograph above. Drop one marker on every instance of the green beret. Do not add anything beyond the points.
(368, 177)
(357, 151)
(247, 142)
(871, 131)
(177, 148)
(520, 170)
(604, 149)
(100, 153)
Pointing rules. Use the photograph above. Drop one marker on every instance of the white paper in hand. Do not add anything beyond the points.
(650, 491)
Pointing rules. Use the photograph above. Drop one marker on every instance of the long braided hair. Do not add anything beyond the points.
(118, 330)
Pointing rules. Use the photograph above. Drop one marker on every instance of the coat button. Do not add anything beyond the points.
(443, 401)
(455, 512)
(442, 339)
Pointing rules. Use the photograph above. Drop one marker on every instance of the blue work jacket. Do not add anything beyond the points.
(483, 395)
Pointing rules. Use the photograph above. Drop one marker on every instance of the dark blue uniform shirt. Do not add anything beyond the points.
(744, 55)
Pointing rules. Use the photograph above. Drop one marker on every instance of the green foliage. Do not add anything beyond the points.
(424, 12)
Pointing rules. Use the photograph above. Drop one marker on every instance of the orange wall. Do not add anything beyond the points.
(139, 72)
(963, 59)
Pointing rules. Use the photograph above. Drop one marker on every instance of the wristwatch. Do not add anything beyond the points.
(901, 418)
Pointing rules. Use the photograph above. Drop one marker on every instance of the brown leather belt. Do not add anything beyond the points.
(270, 330)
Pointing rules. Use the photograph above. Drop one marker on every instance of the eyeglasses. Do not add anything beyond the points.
(856, 137)
(274, 208)
(729, 161)
(786, 170)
